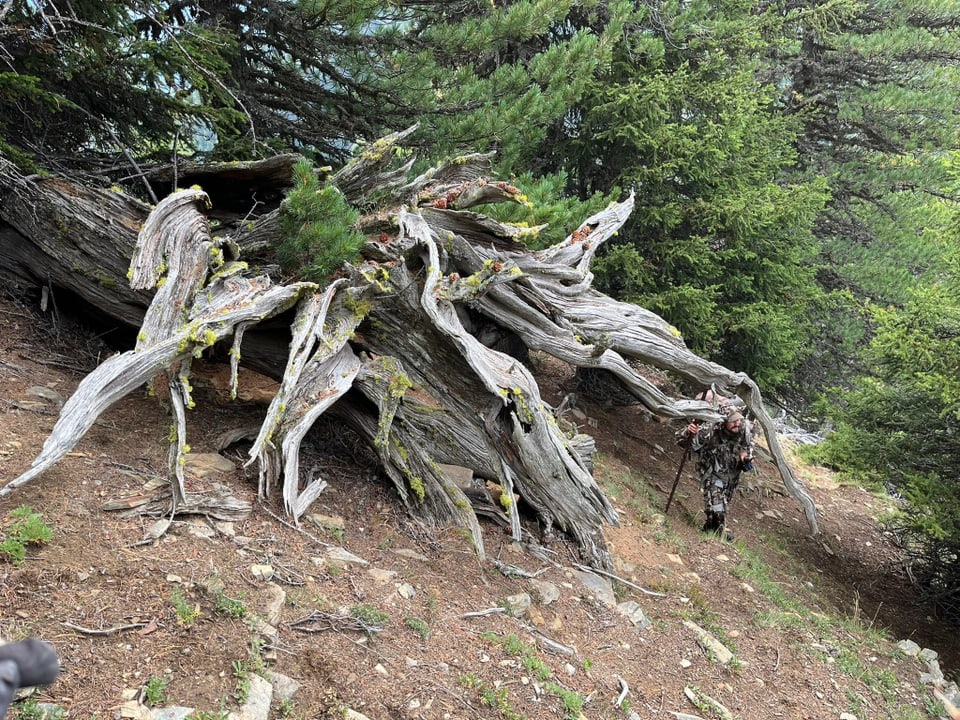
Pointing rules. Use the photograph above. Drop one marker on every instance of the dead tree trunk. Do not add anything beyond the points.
(425, 390)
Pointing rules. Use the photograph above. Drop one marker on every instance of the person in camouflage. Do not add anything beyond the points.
(724, 451)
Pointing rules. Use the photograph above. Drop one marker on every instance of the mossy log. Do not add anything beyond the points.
(394, 347)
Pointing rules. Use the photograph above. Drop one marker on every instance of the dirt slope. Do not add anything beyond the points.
(812, 622)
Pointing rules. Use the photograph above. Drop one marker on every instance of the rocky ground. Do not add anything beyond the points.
(362, 611)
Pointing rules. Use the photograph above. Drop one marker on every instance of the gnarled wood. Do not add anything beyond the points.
(396, 347)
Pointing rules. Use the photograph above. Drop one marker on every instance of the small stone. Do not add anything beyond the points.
(675, 559)
(174, 712)
(225, 528)
(135, 711)
(328, 522)
(634, 613)
(516, 605)
(381, 576)
(406, 590)
(536, 617)
(909, 648)
(276, 598)
(710, 643)
(546, 591)
(262, 572)
(284, 687)
(599, 587)
(349, 714)
(201, 465)
(340, 557)
(157, 529)
(684, 663)
(381, 670)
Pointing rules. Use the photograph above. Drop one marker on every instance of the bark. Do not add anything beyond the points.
(397, 347)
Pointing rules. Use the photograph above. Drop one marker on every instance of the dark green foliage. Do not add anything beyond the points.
(547, 204)
(720, 242)
(899, 428)
(876, 87)
(499, 75)
(318, 225)
(94, 78)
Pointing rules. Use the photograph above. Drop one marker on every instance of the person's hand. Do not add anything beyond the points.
(693, 428)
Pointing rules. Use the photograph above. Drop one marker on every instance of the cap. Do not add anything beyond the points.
(732, 417)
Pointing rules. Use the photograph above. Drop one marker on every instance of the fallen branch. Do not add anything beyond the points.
(318, 621)
(105, 631)
(619, 579)
(624, 691)
(484, 613)
(549, 643)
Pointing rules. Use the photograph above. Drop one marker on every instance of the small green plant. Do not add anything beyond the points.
(187, 613)
(208, 715)
(856, 703)
(495, 698)
(26, 529)
(224, 605)
(285, 709)
(572, 702)
(513, 645)
(241, 672)
(372, 619)
(256, 663)
(29, 709)
(155, 691)
(537, 667)
(419, 626)
(319, 232)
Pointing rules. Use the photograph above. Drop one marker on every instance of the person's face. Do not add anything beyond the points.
(732, 426)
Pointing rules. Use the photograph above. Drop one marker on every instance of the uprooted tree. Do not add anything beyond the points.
(401, 346)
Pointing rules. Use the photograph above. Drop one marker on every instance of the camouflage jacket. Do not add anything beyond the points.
(718, 453)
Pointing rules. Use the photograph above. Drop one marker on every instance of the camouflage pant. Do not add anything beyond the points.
(718, 491)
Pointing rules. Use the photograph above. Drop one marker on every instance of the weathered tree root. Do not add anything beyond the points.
(421, 387)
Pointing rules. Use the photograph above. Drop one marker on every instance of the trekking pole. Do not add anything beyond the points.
(676, 482)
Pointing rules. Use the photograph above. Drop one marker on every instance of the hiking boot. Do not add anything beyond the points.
(712, 524)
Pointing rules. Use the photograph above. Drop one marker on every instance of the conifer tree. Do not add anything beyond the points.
(236, 81)
(876, 86)
(898, 427)
(82, 82)
(720, 240)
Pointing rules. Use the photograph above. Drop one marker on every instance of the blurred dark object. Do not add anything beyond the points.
(25, 664)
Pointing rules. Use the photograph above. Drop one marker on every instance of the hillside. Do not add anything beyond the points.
(409, 624)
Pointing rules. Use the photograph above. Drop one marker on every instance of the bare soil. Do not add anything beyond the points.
(812, 621)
